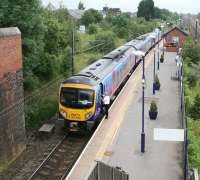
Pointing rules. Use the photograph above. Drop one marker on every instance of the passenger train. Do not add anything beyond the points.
(80, 96)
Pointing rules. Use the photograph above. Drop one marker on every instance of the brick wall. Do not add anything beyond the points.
(12, 124)
(179, 34)
(170, 45)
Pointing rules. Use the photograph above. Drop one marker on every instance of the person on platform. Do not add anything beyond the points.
(106, 103)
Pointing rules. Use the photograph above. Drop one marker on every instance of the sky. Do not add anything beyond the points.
(180, 6)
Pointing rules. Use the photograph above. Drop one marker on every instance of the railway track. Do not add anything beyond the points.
(61, 159)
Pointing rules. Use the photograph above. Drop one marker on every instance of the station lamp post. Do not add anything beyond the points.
(158, 52)
(142, 55)
(154, 62)
(163, 46)
(163, 38)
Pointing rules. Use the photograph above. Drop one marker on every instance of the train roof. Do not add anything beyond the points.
(115, 54)
(80, 80)
(94, 73)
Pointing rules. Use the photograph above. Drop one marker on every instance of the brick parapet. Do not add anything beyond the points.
(12, 122)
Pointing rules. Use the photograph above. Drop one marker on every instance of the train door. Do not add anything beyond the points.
(102, 92)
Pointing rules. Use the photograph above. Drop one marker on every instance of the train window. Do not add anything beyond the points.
(77, 98)
(98, 64)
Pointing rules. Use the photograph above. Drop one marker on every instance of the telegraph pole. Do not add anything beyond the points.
(72, 51)
(196, 36)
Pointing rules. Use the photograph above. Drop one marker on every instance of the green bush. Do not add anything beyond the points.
(195, 109)
(31, 82)
(45, 69)
(107, 39)
(153, 107)
(121, 32)
(194, 146)
(192, 79)
(39, 110)
(92, 29)
(157, 81)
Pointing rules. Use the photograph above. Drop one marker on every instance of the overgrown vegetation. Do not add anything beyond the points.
(191, 57)
(147, 10)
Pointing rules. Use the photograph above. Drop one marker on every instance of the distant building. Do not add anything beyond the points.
(174, 39)
(76, 14)
(111, 11)
(82, 29)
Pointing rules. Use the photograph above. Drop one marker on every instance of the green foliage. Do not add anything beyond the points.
(162, 58)
(194, 144)
(39, 110)
(191, 50)
(92, 29)
(195, 109)
(157, 81)
(192, 99)
(146, 9)
(128, 28)
(91, 16)
(192, 79)
(153, 107)
(107, 39)
(31, 82)
(81, 6)
(26, 15)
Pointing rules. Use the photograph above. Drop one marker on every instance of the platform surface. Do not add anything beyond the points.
(117, 141)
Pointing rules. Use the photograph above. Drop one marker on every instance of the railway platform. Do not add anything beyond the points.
(117, 141)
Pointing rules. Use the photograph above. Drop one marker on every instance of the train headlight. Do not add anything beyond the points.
(63, 113)
(88, 115)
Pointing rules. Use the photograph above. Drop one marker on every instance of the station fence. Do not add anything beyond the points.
(102, 171)
(188, 174)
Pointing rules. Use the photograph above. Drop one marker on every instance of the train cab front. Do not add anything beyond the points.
(76, 106)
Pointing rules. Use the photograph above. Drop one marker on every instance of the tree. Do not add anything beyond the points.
(191, 50)
(146, 9)
(26, 15)
(195, 109)
(107, 39)
(92, 29)
(81, 6)
(91, 16)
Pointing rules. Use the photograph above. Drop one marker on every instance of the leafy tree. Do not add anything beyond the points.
(192, 79)
(105, 38)
(146, 9)
(92, 29)
(26, 15)
(191, 50)
(81, 6)
(195, 109)
(91, 16)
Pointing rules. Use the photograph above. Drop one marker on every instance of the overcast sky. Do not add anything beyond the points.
(180, 6)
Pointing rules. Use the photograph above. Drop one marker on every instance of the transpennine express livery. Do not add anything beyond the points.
(80, 97)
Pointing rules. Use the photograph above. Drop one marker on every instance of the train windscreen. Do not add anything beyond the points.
(77, 98)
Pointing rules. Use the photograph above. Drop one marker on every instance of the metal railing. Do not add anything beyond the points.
(102, 171)
(188, 174)
(184, 125)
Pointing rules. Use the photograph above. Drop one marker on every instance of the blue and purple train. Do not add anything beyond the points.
(80, 100)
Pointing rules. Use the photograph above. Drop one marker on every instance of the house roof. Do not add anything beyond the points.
(175, 28)
(76, 13)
